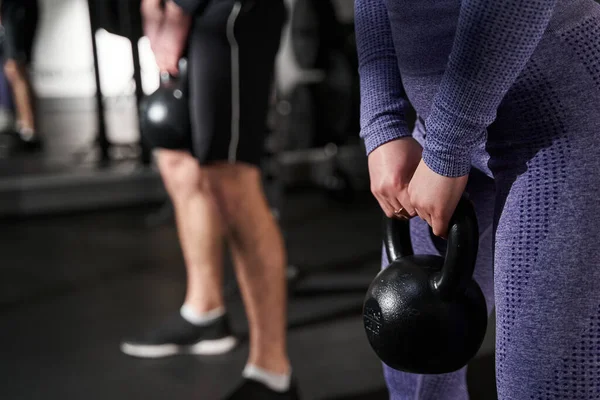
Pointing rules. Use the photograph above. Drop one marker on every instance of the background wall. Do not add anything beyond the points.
(63, 60)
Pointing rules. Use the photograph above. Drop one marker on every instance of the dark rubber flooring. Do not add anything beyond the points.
(72, 286)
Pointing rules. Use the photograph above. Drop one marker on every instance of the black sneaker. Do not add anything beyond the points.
(31, 145)
(25, 144)
(252, 390)
(178, 336)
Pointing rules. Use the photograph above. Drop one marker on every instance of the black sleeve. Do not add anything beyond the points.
(191, 6)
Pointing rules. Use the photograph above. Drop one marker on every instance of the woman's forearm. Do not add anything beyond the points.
(382, 97)
(494, 41)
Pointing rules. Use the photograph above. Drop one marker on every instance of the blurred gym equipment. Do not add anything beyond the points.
(121, 18)
(102, 172)
(315, 115)
(313, 30)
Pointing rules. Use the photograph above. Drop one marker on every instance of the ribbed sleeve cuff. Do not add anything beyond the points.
(383, 132)
(456, 125)
(447, 163)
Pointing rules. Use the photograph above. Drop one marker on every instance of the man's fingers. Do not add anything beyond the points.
(172, 68)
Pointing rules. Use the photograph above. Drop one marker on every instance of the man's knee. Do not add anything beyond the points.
(235, 185)
(13, 71)
(181, 173)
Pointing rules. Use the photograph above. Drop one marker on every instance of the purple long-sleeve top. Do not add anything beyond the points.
(478, 46)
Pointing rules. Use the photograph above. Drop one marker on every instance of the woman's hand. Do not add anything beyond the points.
(391, 167)
(435, 197)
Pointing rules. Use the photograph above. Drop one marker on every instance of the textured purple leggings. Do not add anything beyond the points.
(538, 210)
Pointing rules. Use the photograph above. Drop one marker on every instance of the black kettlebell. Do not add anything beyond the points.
(425, 314)
(165, 115)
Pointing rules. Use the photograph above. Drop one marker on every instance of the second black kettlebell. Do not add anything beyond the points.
(165, 115)
(425, 314)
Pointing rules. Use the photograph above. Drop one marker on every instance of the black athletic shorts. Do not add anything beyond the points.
(19, 21)
(231, 55)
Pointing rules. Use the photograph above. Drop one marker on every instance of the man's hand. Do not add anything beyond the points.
(391, 167)
(153, 15)
(172, 38)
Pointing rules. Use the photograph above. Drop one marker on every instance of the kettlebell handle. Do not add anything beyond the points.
(461, 251)
(396, 238)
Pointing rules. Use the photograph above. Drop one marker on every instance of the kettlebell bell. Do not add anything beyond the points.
(165, 115)
(425, 314)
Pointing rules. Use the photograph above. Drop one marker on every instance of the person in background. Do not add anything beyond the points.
(216, 186)
(19, 20)
(7, 107)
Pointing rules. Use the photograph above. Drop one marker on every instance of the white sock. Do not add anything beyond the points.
(26, 134)
(277, 382)
(190, 315)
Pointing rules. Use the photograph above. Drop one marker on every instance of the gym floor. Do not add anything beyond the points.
(72, 286)
(69, 129)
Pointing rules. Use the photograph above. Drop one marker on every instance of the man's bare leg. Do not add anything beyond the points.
(201, 327)
(199, 227)
(259, 254)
